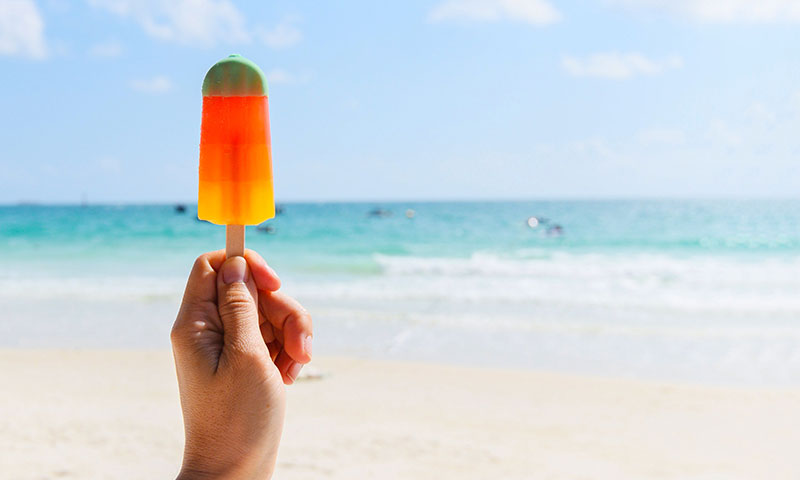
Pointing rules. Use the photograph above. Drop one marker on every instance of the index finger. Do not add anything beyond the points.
(202, 283)
(265, 277)
(286, 314)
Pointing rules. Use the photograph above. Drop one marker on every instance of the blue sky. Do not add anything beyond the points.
(415, 99)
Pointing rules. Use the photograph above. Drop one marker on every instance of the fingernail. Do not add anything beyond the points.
(234, 270)
(294, 370)
(307, 345)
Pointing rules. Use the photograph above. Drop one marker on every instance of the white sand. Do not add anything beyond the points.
(91, 414)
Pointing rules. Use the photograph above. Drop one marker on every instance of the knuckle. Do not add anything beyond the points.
(238, 304)
(191, 319)
(178, 335)
(199, 261)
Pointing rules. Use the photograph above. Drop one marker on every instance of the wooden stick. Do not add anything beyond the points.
(234, 241)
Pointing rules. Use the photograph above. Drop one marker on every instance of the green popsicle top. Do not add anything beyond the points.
(235, 76)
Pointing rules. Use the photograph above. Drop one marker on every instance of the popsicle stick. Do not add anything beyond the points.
(234, 241)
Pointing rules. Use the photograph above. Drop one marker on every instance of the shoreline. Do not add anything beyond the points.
(115, 413)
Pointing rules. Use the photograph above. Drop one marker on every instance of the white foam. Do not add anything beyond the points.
(646, 283)
(651, 314)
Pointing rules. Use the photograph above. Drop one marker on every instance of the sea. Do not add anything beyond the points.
(677, 290)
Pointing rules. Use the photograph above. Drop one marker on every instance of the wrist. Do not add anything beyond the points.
(207, 469)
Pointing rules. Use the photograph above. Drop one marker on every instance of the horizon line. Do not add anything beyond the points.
(34, 203)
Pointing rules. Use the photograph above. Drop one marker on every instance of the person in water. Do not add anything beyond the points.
(236, 341)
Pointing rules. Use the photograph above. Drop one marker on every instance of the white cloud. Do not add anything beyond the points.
(760, 113)
(156, 84)
(109, 165)
(751, 150)
(534, 12)
(595, 146)
(618, 66)
(279, 76)
(794, 101)
(285, 34)
(721, 134)
(199, 22)
(106, 49)
(21, 29)
(724, 11)
(661, 136)
(188, 22)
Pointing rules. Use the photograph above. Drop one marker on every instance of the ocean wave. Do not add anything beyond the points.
(539, 263)
(581, 284)
(526, 283)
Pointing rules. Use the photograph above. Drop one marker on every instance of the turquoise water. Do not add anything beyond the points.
(346, 231)
(687, 289)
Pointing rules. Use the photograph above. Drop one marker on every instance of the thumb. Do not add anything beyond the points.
(236, 299)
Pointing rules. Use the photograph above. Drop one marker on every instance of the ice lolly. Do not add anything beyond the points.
(235, 152)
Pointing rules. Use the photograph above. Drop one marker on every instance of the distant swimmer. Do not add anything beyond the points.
(380, 212)
(410, 213)
(266, 229)
(536, 221)
(278, 209)
(555, 231)
(180, 208)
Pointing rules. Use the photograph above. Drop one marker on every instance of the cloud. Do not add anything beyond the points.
(156, 84)
(618, 66)
(794, 101)
(279, 76)
(109, 165)
(658, 136)
(203, 23)
(21, 29)
(107, 49)
(751, 150)
(721, 134)
(533, 12)
(285, 34)
(187, 22)
(724, 11)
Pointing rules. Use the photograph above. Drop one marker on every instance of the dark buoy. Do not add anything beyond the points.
(180, 208)
(380, 212)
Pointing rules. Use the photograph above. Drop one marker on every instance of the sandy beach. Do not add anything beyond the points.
(115, 414)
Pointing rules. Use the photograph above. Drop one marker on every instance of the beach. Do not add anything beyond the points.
(115, 414)
(534, 239)
(652, 340)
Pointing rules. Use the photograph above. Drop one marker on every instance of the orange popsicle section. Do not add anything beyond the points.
(235, 161)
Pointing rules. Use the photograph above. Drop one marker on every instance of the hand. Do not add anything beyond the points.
(236, 342)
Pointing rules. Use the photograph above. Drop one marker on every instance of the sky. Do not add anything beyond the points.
(408, 100)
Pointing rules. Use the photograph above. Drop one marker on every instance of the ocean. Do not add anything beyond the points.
(700, 291)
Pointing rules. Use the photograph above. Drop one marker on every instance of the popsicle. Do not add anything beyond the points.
(235, 153)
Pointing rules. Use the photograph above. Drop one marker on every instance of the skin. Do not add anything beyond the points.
(237, 341)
